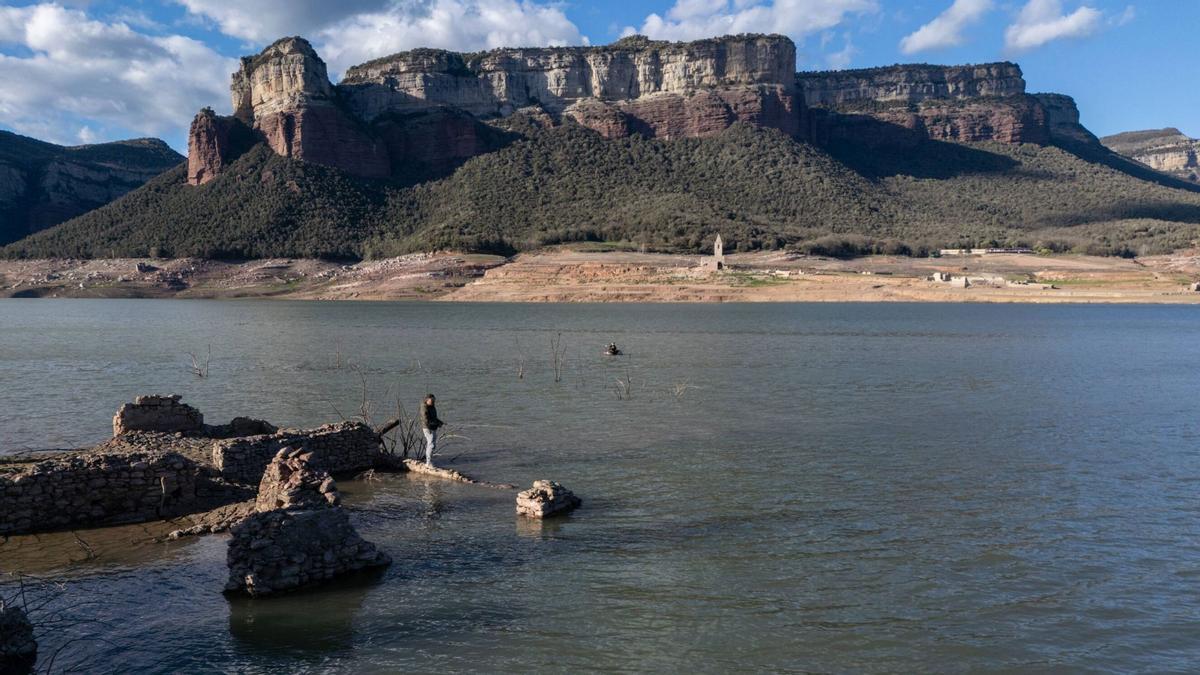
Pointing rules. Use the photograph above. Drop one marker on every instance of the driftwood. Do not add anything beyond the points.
(419, 467)
(388, 426)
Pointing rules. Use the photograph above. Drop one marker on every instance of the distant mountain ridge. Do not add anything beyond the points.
(42, 184)
(662, 144)
(1167, 150)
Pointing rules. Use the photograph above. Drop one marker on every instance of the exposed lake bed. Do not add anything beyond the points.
(596, 274)
(810, 487)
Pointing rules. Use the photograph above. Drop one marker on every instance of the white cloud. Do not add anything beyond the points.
(840, 60)
(463, 25)
(1044, 21)
(947, 29)
(694, 19)
(265, 21)
(74, 69)
(352, 31)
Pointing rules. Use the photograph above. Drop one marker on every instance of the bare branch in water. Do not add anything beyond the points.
(200, 369)
(558, 354)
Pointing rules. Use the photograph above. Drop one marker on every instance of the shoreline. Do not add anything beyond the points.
(573, 276)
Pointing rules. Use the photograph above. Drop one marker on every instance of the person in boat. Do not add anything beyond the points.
(430, 425)
(612, 349)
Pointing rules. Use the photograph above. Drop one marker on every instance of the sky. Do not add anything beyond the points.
(87, 71)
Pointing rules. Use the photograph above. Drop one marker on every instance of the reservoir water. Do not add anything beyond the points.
(837, 488)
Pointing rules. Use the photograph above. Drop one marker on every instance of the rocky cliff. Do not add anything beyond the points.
(910, 84)
(634, 85)
(425, 111)
(42, 184)
(902, 105)
(285, 95)
(1166, 150)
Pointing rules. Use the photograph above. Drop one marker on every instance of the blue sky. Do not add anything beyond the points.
(94, 70)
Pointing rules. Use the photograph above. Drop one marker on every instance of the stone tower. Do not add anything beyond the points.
(717, 261)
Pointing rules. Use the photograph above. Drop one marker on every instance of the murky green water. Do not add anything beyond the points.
(787, 487)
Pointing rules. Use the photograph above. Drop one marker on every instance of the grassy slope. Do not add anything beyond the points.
(756, 186)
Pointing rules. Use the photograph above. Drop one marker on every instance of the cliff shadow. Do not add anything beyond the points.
(432, 143)
(1098, 154)
(877, 149)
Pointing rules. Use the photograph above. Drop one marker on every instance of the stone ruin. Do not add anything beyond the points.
(291, 482)
(546, 498)
(18, 648)
(298, 535)
(93, 489)
(157, 413)
(344, 447)
(163, 463)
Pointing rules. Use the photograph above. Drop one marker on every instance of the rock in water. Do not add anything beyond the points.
(18, 649)
(286, 549)
(299, 536)
(546, 498)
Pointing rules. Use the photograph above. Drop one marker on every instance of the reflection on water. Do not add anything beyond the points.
(785, 487)
(317, 621)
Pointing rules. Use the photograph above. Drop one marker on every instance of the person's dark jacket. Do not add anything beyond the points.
(429, 418)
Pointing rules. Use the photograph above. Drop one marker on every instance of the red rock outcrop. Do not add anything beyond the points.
(325, 135)
(285, 95)
(1021, 120)
(213, 143)
(434, 141)
(1016, 120)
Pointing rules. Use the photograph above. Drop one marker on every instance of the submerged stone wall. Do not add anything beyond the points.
(337, 448)
(91, 489)
(157, 413)
(298, 536)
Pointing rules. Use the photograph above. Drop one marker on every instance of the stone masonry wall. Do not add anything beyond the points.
(298, 536)
(95, 489)
(337, 448)
(157, 413)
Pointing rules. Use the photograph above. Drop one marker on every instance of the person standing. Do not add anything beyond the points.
(430, 425)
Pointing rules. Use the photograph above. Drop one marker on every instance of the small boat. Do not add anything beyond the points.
(612, 350)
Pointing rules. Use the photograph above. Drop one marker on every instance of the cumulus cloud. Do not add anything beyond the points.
(70, 68)
(1044, 21)
(463, 25)
(947, 29)
(695, 19)
(353, 31)
(263, 21)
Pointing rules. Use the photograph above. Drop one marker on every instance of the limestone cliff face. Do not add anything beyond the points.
(1062, 120)
(287, 75)
(433, 109)
(910, 84)
(496, 83)
(284, 94)
(1166, 150)
(42, 184)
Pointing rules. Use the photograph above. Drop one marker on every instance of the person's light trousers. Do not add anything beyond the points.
(430, 445)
